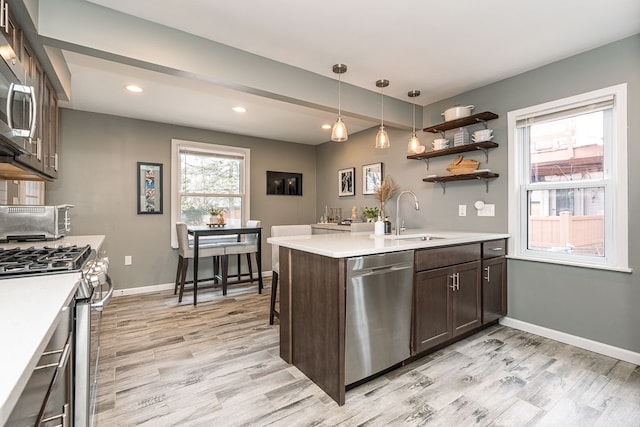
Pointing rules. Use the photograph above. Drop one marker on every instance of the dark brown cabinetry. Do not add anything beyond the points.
(447, 299)
(494, 281)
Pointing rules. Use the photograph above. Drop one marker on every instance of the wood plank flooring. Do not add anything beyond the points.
(217, 364)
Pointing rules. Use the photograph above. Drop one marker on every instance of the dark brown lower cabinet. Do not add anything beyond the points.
(447, 304)
(494, 289)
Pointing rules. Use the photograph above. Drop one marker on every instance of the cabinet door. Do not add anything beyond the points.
(494, 289)
(432, 308)
(50, 129)
(466, 298)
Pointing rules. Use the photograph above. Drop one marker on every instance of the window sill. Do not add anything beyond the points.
(572, 264)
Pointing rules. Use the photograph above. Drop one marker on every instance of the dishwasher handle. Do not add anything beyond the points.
(374, 271)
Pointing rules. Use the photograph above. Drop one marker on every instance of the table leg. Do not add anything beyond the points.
(259, 261)
(196, 254)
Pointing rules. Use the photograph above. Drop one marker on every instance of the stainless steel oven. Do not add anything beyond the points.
(90, 301)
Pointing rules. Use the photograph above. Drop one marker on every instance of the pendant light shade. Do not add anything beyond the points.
(414, 142)
(339, 130)
(382, 139)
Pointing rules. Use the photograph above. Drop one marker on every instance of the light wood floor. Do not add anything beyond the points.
(217, 364)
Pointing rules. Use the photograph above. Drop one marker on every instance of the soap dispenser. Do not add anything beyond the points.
(387, 225)
(378, 228)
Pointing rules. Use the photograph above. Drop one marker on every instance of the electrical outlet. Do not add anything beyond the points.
(462, 210)
(487, 210)
(128, 260)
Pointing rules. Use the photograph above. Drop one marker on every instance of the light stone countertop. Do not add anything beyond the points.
(345, 245)
(29, 309)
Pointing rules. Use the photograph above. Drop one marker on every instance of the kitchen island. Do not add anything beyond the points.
(30, 311)
(313, 294)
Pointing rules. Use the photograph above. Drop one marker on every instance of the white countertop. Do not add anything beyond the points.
(29, 309)
(346, 245)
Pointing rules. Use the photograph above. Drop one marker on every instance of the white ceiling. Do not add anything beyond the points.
(441, 48)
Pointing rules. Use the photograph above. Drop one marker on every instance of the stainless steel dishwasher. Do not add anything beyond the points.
(378, 318)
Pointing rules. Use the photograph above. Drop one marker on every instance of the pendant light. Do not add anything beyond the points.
(382, 139)
(339, 130)
(414, 142)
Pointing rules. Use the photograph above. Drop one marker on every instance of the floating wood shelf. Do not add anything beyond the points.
(465, 121)
(484, 146)
(442, 180)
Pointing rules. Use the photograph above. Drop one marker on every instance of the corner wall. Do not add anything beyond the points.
(98, 155)
(597, 305)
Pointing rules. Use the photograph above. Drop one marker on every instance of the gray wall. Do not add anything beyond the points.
(597, 305)
(98, 175)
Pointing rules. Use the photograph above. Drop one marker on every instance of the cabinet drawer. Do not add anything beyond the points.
(427, 259)
(494, 248)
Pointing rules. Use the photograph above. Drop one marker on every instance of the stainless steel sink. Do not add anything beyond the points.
(414, 237)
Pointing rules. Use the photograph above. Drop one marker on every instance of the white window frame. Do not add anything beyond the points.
(615, 174)
(176, 146)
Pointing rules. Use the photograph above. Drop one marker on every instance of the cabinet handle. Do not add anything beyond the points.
(488, 276)
(455, 282)
(2, 20)
(496, 249)
(63, 416)
(6, 18)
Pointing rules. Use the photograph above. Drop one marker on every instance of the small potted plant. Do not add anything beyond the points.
(371, 214)
(216, 215)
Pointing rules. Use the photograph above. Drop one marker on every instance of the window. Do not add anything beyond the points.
(568, 192)
(204, 176)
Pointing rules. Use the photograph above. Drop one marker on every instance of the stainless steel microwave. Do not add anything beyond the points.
(18, 107)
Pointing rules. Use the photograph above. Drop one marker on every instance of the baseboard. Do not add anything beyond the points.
(587, 344)
(162, 287)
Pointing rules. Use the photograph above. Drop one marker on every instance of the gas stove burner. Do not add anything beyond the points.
(24, 261)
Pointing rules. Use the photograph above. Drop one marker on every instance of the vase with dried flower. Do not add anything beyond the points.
(384, 191)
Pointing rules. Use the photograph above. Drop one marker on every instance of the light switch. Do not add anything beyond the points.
(462, 210)
(128, 260)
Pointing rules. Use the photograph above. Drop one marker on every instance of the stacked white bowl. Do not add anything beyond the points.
(482, 135)
(440, 143)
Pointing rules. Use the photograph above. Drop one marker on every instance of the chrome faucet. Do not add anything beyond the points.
(415, 198)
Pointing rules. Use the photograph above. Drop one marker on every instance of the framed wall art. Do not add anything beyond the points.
(371, 178)
(149, 188)
(284, 183)
(346, 182)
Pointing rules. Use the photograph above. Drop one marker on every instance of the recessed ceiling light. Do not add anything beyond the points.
(326, 126)
(239, 109)
(133, 88)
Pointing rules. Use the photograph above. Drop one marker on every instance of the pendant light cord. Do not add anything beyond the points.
(339, 95)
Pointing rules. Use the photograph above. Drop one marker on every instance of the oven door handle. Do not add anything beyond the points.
(104, 301)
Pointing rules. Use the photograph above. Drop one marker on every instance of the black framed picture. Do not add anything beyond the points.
(284, 183)
(346, 182)
(149, 188)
